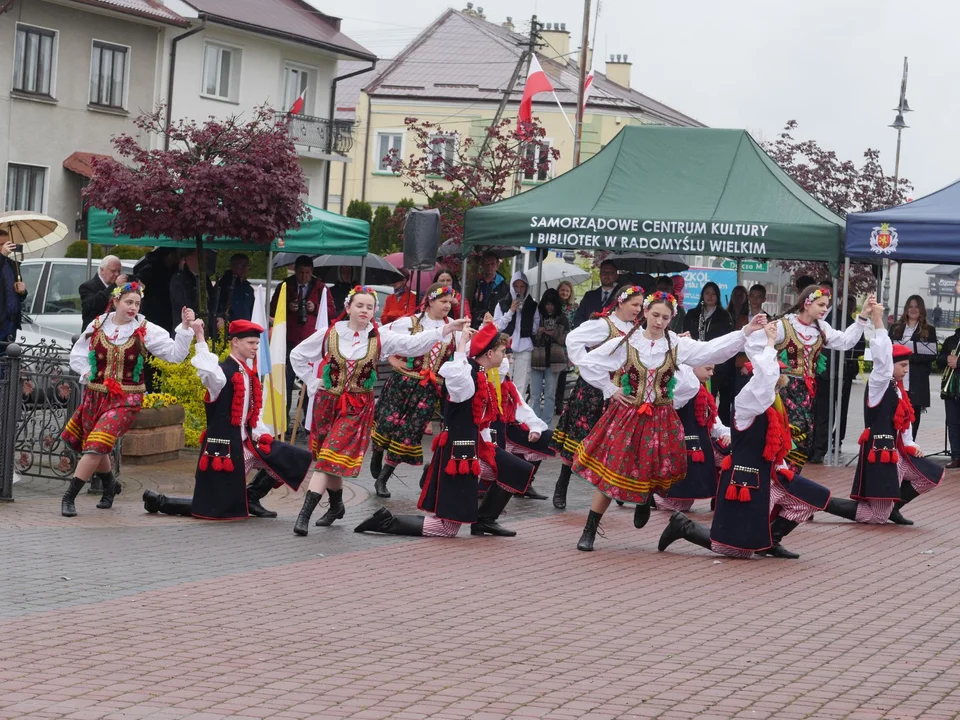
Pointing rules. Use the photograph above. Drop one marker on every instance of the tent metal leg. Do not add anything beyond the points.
(363, 271)
(269, 276)
(896, 294)
(833, 413)
(834, 460)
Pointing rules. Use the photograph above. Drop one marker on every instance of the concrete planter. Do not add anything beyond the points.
(155, 436)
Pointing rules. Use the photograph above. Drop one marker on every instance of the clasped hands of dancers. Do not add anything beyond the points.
(639, 421)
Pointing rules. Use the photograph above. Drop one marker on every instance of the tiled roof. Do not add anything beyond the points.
(462, 57)
(151, 9)
(293, 19)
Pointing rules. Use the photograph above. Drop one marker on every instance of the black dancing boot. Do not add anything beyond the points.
(335, 511)
(907, 493)
(310, 500)
(154, 502)
(111, 488)
(590, 532)
(383, 521)
(68, 507)
(258, 488)
(681, 527)
(642, 513)
(779, 529)
(842, 507)
(376, 462)
(560, 491)
(491, 507)
(381, 485)
(531, 493)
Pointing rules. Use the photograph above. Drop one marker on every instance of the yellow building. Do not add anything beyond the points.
(455, 74)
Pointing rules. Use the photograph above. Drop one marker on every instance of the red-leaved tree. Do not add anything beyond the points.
(223, 178)
(839, 185)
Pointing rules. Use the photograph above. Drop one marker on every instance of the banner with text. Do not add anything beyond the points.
(696, 277)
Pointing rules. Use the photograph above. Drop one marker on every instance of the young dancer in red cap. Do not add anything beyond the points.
(236, 441)
(891, 469)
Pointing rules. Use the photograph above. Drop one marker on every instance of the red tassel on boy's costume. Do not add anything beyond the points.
(451, 468)
(204, 463)
(872, 456)
(786, 474)
(475, 467)
(885, 457)
(727, 464)
(217, 464)
(440, 440)
(744, 494)
(894, 457)
(731, 493)
(464, 467)
(864, 436)
(228, 464)
(698, 456)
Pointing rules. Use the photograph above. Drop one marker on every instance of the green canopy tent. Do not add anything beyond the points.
(692, 191)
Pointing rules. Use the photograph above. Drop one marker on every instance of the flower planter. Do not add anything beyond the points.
(155, 436)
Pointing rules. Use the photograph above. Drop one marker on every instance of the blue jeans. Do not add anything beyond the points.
(543, 380)
(952, 408)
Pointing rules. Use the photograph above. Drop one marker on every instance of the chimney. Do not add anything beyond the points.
(508, 24)
(618, 70)
(556, 42)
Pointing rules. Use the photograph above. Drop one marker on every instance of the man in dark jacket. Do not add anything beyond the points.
(12, 291)
(183, 288)
(340, 289)
(155, 270)
(950, 392)
(95, 293)
(491, 289)
(234, 291)
(596, 300)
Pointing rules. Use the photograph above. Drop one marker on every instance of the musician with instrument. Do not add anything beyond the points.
(950, 393)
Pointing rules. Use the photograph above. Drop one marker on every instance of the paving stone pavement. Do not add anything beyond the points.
(119, 614)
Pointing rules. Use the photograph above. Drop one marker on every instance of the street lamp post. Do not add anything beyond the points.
(899, 125)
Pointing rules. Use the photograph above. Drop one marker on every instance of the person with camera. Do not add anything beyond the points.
(12, 290)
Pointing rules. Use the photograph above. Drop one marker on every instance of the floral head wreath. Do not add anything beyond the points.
(129, 287)
(628, 292)
(439, 293)
(815, 295)
(363, 290)
(660, 296)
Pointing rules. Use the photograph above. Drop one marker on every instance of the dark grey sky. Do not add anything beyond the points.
(832, 66)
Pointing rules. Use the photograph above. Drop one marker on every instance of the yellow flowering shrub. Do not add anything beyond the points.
(158, 400)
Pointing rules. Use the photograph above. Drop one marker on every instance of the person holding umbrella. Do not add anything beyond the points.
(12, 290)
(403, 301)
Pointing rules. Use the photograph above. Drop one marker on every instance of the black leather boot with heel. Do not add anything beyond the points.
(258, 488)
(681, 527)
(111, 488)
(381, 485)
(560, 491)
(590, 531)
(336, 510)
(310, 500)
(68, 506)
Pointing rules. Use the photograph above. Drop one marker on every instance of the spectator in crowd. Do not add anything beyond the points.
(549, 359)
(491, 289)
(448, 278)
(756, 297)
(12, 290)
(184, 290)
(568, 306)
(596, 300)
(518, 317)
(340, 289)
(402, 302)
(950, 392)
(708, 321)
(234, 291)
(95, 292)
(913, 330)
(738, 307)
(306, 297)
(937, 315)
(156, 270)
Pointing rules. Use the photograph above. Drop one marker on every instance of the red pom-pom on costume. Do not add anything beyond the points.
(697, 456)
(704, 407)
(911, 450)
(451, 468)
(786, 474)
(885, 457)
(475, 467)
(864, 436)
(443, 437)
(204, 463)
(894, 457)
(265, 442)
(727, 463)
(217, 464)
(228, 464)
(744, 494)
(464, 467)
(236, 405)
(872, 456)
(435, 444)
(778, 440)
(731, 493)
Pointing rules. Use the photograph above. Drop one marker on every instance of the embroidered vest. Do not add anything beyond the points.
(801, 359)
(335, 372)
(643, 384)
(121, 364)
(431, 360)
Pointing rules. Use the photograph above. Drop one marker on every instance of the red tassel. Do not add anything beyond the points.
(894, 457)
(864, 436)
(731, 493)
(786, 474)
(698, 456)
(451, 468)
(872, 456)
(228, 464)
(744, 494)
(443, 437)
(885, 456)
(203, 438)
(475, 467)
(464, 466)
(435, 444)
(727, 464)
(204, 463)
(217, 464)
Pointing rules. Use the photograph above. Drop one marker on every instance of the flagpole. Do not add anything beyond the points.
(569, 124)
(578, 134)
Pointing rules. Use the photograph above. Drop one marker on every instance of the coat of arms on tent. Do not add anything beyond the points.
(883, 239)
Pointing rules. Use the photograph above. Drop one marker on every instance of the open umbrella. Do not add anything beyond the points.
(379, 271)
(554, 272)
(32, 230)
(449, 247)
(653, 264)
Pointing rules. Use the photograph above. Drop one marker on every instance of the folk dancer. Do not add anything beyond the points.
(411, 395)
(109, 357)
(637, 446)
(338, 366)
(236, 440)
(756, 486)
(891, 469)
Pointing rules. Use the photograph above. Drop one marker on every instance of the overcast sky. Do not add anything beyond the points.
(832, 66)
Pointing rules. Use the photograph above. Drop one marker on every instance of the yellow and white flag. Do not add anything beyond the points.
(275, 385)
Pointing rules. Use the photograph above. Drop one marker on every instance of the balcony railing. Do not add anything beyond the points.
(329, 136)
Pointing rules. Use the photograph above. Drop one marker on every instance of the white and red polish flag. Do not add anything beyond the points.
(537, 82)
(297, 106)
(587, 87)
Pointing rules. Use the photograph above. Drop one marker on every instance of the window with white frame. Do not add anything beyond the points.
(387, 142)
(538, 162)
(442, 152)
(25, 187)
(34, 60)
(296, 81)
(108, 74)
(221, 71)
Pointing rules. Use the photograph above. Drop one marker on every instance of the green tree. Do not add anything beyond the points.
(360, 209)
(78, 249)
(395, 225)
(379, 232)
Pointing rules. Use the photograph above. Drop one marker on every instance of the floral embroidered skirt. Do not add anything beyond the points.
(403, 411)
(580, 414)
(100, 421)
(340, 431)
(797, 400)
(631, 453)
